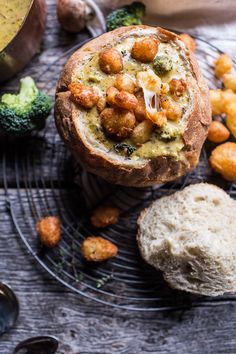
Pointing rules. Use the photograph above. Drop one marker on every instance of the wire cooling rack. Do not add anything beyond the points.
(48, 182)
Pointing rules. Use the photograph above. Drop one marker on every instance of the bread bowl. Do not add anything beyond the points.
(97, 139)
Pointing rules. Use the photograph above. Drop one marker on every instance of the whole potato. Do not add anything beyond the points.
(72, 14)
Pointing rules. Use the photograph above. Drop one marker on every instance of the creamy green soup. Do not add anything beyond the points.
(12, 14)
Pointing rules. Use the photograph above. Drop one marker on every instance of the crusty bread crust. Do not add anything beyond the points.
(156, 170)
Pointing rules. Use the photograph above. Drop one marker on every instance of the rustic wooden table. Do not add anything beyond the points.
(85, 327)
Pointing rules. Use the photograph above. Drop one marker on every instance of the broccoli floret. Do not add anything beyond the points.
(26, 111)
(162, 65)
(168, 132)
(125, 16)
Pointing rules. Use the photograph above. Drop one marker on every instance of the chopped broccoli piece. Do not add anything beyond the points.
(126, 148)
(26, 111)
(168, 132)
(162, 65)
(125, 16)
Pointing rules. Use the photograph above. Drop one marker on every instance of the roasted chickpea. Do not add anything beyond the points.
(145, 50)
(105, 215)
(110, 61)
(223, 65)
(230, 81)
(140, 110)
(142, 132)
(98, 249)
(85, 96)
(125, 100)
(216, 102)
(173, 109)
(111, 94)
(217, 132)
(231, 118)
(49, 231)
(223, 160)
(177, 87)
(227, 97)
(125, 82)
(118, 124)
(188, 41)
(101, 104)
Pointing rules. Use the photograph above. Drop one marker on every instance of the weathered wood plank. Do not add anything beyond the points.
(85, 327)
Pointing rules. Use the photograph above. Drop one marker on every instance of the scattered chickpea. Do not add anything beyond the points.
(118, 124)
(110, 61)
(216, 102)
(223, 65)
(217, 132)
(177, 87)
(231, 118)
(125, 82)
(227, 97)
(98, 249)
(223, 160)
(188, 41)
(173, 110)
(142, 132)
(49, 231)
(126, 100)
(230, 81)
(85, 96)
(140, 110)
(105, 215)
(145, 50)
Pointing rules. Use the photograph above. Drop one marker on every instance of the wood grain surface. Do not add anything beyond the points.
(83, 326)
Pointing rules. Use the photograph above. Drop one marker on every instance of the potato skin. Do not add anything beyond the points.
(148, 172)
(98, 249)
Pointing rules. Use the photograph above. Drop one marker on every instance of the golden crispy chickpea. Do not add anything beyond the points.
(173, 110)
(230, 81)
(217, 105)
(111, 94)
(217, 132)
(110, 61)
(177, 87)
(126, 100)
(188, 41)
(144, 50)
(223, 160)
(85, 96)
(101, 104)
(140, 110)
(231, 118)
(223, 65)
(227, 96)
(98, 249)
(118, 124)
(125, 82)
(142, 132)
(49, 231)
(105, 215)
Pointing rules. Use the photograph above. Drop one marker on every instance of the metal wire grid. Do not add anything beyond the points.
(41, 170)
